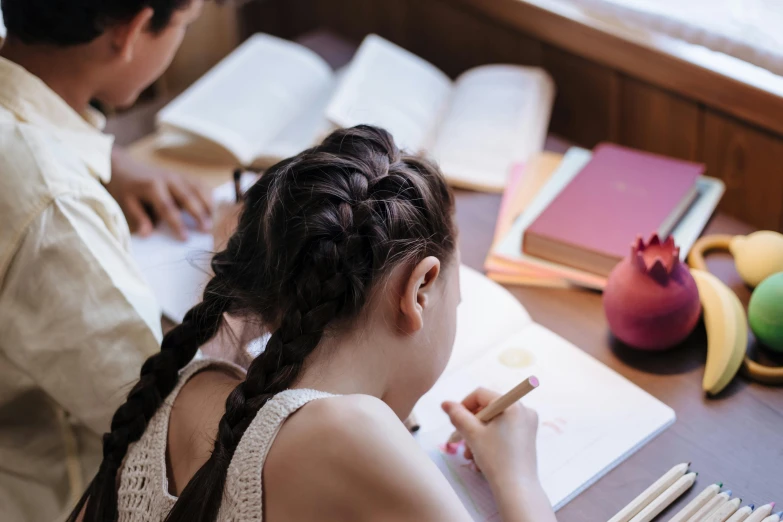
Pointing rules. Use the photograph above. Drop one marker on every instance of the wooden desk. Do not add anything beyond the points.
(735, 438)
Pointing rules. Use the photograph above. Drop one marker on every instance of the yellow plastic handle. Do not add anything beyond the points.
(750, 368)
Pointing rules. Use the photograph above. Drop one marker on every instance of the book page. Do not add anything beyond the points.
(389, 87)
(590, 418)
(177, 271)
(245, 101)
(498, 116)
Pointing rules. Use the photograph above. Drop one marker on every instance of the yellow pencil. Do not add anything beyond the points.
(500, 404)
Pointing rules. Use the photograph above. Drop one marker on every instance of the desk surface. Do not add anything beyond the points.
(735, 438)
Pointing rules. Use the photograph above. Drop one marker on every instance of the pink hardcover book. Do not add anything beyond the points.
(620, 194)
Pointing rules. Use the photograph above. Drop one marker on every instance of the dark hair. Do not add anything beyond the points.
(73, 22)
(318, 232)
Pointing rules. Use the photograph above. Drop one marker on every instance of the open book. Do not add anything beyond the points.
(262, 103)
(271, 99)
(591, 418)
(476, 127)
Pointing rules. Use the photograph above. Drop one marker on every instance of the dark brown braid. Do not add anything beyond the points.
(317, 234)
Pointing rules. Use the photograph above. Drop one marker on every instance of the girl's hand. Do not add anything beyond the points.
(505, 448)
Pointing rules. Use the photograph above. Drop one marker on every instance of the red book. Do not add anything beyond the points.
(621, 194)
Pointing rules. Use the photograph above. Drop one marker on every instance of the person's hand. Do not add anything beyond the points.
(504, 448)
(143, 189)
(226, 219)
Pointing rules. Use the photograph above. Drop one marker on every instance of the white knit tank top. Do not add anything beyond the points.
(143, 491)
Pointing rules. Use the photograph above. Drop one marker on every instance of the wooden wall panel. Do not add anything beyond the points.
(354, 19)
(456, 39)
(658, 121)
(586, 107)
(750, 162)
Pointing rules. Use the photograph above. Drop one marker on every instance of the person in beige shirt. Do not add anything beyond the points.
(76, 317)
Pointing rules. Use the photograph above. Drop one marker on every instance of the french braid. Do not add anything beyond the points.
(318, 233)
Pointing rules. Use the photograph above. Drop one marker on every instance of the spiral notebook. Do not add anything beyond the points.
(591, 418)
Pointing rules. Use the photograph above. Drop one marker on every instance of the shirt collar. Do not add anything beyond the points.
(33, 102)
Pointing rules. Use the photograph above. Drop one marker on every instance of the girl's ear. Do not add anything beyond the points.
(125, 36)
(417, 294)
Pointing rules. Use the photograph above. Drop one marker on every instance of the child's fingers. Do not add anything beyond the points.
(138, 220)
(167, 210)
(462, 419)
(187, 198)
(479, 399)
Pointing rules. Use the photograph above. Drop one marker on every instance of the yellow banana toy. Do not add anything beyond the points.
(727, 331)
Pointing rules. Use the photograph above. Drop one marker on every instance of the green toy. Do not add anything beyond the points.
(765, 312)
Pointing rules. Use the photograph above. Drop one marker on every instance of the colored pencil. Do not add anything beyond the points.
(725, 511)
(741, 514)
(238, 184)
(697, 503)
(774, 518)
(651, 493)
(500, 404)
(761, 513)
(666, 499)
(711, 507)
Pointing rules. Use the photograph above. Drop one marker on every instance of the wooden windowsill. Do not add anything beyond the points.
(718, 81)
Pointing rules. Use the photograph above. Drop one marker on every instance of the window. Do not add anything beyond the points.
(751, 30)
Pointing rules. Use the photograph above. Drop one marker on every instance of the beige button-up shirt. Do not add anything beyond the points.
(76, 318)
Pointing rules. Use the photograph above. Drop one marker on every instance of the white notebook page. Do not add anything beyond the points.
(591, 418)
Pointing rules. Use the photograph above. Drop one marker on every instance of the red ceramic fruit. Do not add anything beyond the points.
(651, 300)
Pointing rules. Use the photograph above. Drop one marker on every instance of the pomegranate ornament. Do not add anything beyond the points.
(651, 300)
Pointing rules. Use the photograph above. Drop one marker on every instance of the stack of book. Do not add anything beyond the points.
(568, 219)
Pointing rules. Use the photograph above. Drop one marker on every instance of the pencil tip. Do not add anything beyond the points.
(772, 505)
(728, 492)
(720, 484)
(752, 507)
(534, 381)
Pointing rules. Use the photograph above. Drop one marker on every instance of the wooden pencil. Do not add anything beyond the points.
(651, 493)
(665, 499)
(500, 404)
(697, 503)
(761, 513)
(741, 514)
(774, 518)
(710, 507)
(725, 511)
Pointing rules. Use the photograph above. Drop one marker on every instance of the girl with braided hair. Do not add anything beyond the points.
(346, 254)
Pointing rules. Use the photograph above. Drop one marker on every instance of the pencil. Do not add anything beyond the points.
(761, 513)
(774, 518)
(697, 503)
(412, 423)
(741, 514)
(651, 493)
(500, 404)
(725, 511)
(666, 498)
(711, 507)
(238, 184)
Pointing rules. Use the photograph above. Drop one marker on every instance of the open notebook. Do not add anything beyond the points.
(591, 418)
(272, 98)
